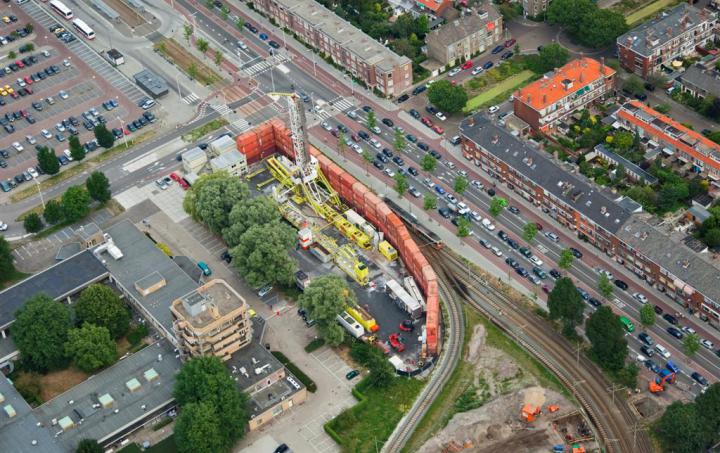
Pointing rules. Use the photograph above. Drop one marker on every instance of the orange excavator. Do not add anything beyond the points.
(658, 385)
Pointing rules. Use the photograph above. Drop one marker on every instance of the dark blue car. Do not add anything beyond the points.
(498, 49)
(488, 65)
(263, 36)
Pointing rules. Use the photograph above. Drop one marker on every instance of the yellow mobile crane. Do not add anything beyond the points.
(304, 182)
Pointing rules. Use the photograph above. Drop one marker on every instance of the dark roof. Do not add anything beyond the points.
(63, 279)
(704, 79)
(18, 433)
(151, 82)
(535, 166)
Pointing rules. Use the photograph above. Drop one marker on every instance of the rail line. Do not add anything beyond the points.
(613, 420)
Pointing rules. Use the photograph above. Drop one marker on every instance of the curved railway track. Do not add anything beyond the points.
(614, 422)
(455, 327)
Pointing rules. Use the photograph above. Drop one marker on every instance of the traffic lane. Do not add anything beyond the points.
(646, 375)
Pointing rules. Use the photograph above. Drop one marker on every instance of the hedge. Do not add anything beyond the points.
(315, 345)
(304, 378)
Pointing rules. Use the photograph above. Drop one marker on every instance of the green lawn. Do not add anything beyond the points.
(506, 85)
(166, 445)
(364, 427)
(643, 13)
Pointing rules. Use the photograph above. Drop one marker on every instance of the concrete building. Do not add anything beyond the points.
(646, 48)
(194, 160)
(534, 8)
(673, 138)
(563, 91)
(233, 162)
(699, 82)
(614, 225)
(366, 59)
(211, 320)
(461, 38)
(151, 83)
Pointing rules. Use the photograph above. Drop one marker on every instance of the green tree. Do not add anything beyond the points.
(463, 227)
(89, 446)
(259, 210)
(202, 45)
(224, 12)
(211, 199)
(12, 55)
(324, 299)
(691, 344)
(381, 371)
(607, 337)
(605, 287)
(680, 429)
(53, 212)
(218, 57)
(90, 347)
(551, 56)
(460, 184)
(192, 71)
(262, 254)
(565, 303)
(33, 223)
(712, 237)
(708, 404)
(371, 120)
(529, 231)
(199, 430)
(7, 267)
(496, 206)
(239, 23)
(99, 305)
(428, 163)
(429, 202)
(647, 315)
(566, 259)
(98, 186)
(671, 194)
(77, 152)
(104, 137)
(634, 84)
(341, 145)
(48, 161)
(586, 23)
(401, 184)
(447, 97)
(400, 142)
(187, 31)
(40, 332)
(75, 203)
(623, 140)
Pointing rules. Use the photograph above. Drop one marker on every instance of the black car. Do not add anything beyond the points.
(621, 284)
(577, 253)
(699, 378)
(594, 302)
(445, 212)
(403, 98)
(658, 310)
(507, 55)
(430, 109)
(498, 49)
(491, 192)
(387, 152)
(521, 271)
(273, 44)
(414, 113)
(117, 133)
(19, 179)
(419, 89)
(514, 210)
(4, 153)
(3, 164)
(647, 350)
(412, 171)
(367, 108)
(379, 165)
(388, 122)
(398, 161)
(502, 235)
(382, 158)
(555, 274)
(675, 332)
(435, 154)
(645, 338)
(282, 448)
(423, 146)
(670, 318)
(341, 127)
(411, 138)
(511, 262)
(513, 244)
(364, 135)
(641, 96)
(649, 86)
(226, 256)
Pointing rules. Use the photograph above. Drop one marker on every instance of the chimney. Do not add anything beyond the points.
(528, 98)
(544, 99)
(602, 65)
(581, 79)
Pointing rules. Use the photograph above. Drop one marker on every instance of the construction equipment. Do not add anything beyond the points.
(658, 385)
(363, 317)
(530, 412)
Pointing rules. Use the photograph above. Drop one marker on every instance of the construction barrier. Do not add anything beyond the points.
(274, 136)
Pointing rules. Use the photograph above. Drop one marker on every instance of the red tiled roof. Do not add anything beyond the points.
(434, 5)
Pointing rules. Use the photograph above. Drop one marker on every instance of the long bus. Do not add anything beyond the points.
(627, 324)
(84, 28)
(61, 9)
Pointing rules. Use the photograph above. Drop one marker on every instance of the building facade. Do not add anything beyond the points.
(366, 59)
(699, 82)
(466, 36)
(611, 224)
(646, 49)
(563, 91)
(211, 320)
(674, 138)
(534, 8)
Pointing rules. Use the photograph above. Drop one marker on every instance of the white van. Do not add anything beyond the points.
(670, 90)
(662, 351)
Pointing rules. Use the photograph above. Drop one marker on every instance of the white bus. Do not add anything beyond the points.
(61, 9)
(84, 29)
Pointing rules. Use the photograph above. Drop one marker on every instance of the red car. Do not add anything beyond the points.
(28, 90)
(539, 226)
(396, 343)
(546, 289)
(174, 176)
(28, 80)
(426, 121)
(467, 65)
(438, 130)
(510, 42)
(20, 64)
(126, 131)
(407, 326)
(183, 184)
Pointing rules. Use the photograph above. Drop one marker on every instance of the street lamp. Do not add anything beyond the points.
(40, 193)
(122, 128)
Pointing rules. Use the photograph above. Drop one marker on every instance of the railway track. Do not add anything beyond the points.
(455, 327)
(614, 422)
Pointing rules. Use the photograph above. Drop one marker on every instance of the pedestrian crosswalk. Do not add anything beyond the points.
(191, 98)
(342, 104)
(241, 125)
(264, 65)
(222, 109)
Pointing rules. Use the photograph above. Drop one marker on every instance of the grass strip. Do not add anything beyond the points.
(511, 83)
(205, 129)
(176, 54)
(646, 11)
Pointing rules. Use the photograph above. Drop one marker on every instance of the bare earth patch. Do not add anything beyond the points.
(58, 382)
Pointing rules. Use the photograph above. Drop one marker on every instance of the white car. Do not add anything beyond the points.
(390, 173)
(485, 243)
(66, 62)
(375, 143)
(46, 133)
(462, 173)
(640, 297)
(68, 154)
(21, 83)
(454, 72)
(451, 198)
(493, 109)
(30, 139)
(477, 70)
(18, 147)
(688, 330)
(536, 261)
(161, 184)
(463, 208)
(496, 251)
(357, 148)
(428, 182)
(707, 343)
(60, 127)
(477, 184)
(64, 95)
(476, 216)
(450, 165)
(552, 236)
(3, 226)
(441, 116)
(326, 126)
(414, 192)
(33, 172)
(641, 358)
(488, 224)
(663, 352)
(608, 274)
(242, 45)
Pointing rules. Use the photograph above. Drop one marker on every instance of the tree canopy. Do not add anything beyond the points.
(566, 259)
(77, 152)
(33, 223)
(105, 138)
(529, 231)
(428, 163)
(262, 254)
(586, 23)
(647, 315)
(89, 446)
(248, 212)
(447, 97)
(98, 186)
(324, 299)
(401, 184)
(605, 287)
(91, 347)
(691, 427)
(53, 212)
(7, 267)
(564, 302)
(75, 203)
(496, 206)
(551, 56)
(48, 160)
(211, 199)
(607, 337)
(99, 305)
(199, 429)
(40, 332)
(460, 184)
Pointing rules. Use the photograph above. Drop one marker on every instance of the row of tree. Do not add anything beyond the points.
(7, 264)
(47, 159)
(49, 333)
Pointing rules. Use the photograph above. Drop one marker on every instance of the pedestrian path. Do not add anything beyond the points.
(241, 125)
(191, 98)
(222, 109)
(265, 65)
(341, 103)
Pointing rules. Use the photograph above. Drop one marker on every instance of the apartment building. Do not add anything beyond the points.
(533, 8)
(675, 34)
(699, 82)
(674, 139)
(615, 225)
(212, 319)
(459, 39)
(366, 59)
(559, 93)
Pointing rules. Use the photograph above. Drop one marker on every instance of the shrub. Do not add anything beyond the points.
(315, 345)
(304, 378)
(137, 333)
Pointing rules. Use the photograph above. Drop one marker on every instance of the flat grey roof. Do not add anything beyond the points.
(533, 165)
(17, 433)
(705, 79)
(676, 258)
(151, 82)
(345, 33)
(645, 38)
(99, 422)
(60, 280)
(142, 259)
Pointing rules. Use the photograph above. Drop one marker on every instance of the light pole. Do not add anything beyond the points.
(272, 78)
(40, 193)
(177, 82)
(122, 128)
(314, 66)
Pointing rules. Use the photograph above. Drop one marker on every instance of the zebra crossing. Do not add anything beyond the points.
(342, 104)
(264, 65)
(191, 98)
(241, 125)
(222, 109)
